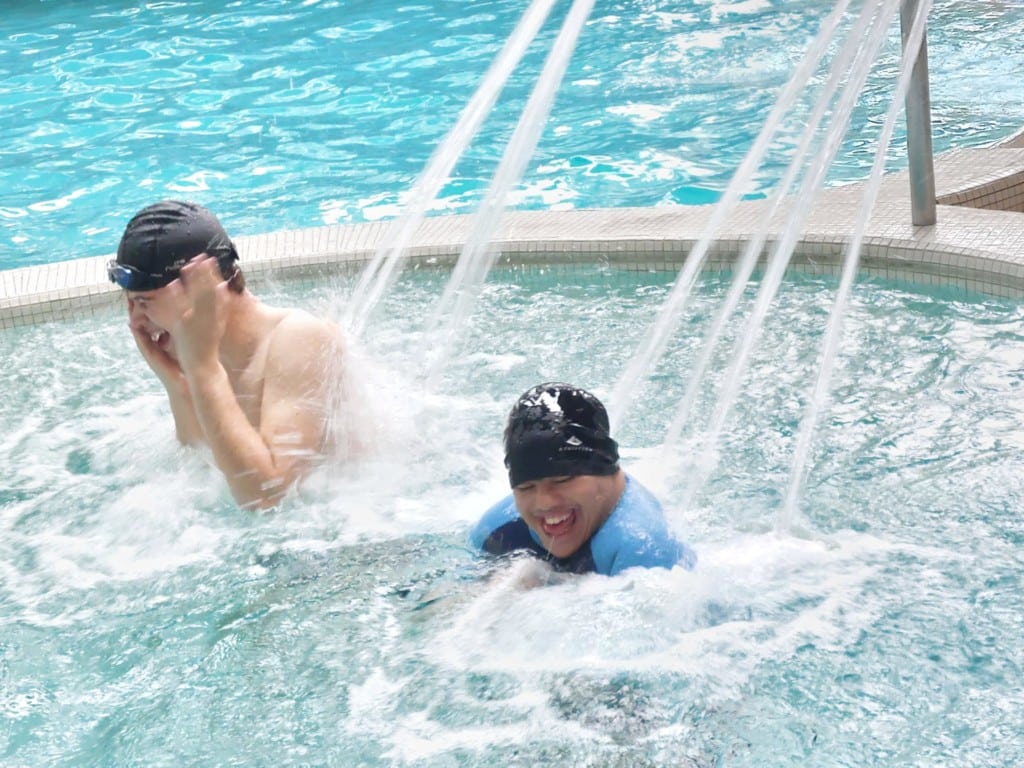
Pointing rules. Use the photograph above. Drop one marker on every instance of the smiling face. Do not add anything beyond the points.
(566, 511)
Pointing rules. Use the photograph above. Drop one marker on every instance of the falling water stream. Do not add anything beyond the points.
(146, 620)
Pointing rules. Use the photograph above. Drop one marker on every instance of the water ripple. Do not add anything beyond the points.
(120, 101)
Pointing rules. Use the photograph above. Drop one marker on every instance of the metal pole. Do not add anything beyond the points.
(919, 127)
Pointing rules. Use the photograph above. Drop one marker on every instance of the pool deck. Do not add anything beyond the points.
(976, 245)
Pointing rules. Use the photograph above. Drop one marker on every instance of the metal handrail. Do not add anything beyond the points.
(919, 128)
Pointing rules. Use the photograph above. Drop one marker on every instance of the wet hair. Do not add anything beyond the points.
(163, 237)
(556, 430)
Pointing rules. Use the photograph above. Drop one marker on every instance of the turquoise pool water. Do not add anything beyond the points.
(147, 621)
(281, 114)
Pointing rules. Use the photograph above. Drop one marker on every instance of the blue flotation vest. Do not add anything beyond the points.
(635, 534)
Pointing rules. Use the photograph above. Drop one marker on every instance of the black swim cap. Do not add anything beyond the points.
(161, 238)
(558, 429)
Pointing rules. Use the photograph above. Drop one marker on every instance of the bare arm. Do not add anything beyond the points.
(259, 462)
(167, 370)
(260, 465)
(186, 423)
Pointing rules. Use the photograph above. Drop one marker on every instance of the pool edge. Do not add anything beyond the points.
(977, 243)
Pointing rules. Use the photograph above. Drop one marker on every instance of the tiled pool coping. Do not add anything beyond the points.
(977, 244)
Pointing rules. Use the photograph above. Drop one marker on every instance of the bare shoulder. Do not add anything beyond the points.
(299, 341)
(297, 323)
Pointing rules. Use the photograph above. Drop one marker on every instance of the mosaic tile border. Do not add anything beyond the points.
(977, 244)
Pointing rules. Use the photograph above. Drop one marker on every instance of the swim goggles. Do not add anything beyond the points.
(132, 279)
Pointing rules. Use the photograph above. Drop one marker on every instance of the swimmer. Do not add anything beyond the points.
(571, 502)
(246, 379)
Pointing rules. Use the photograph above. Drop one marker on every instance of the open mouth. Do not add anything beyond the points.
(161, 338)
(558, 524)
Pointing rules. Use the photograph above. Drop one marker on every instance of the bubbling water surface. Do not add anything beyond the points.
(149, 621)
